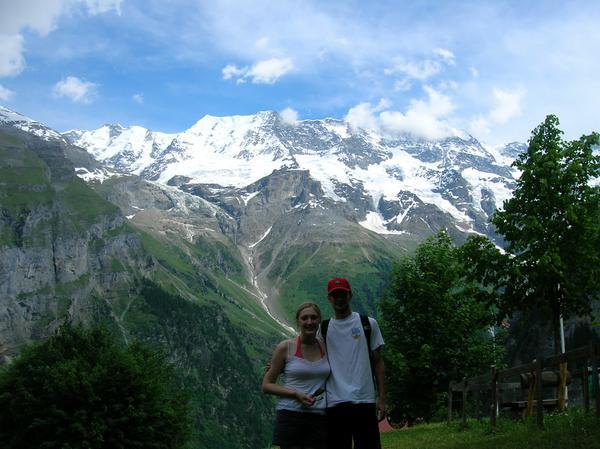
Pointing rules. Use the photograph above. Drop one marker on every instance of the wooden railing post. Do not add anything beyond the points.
(562, 387)
(450, 402)
(494, 388)
(585, 375)
(595, 386)
(464, 401)
(539, 365)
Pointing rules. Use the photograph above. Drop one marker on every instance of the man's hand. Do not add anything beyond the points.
(380, 409)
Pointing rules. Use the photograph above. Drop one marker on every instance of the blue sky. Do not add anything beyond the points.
(430, 68)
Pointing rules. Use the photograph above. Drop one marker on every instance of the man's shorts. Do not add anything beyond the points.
(350, 422)
(300, 429)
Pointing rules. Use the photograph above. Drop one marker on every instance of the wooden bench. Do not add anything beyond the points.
(528, 382)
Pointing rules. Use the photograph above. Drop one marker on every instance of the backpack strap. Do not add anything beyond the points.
(324, 327)
(366, 325)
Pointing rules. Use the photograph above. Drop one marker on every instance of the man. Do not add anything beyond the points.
(354, 403)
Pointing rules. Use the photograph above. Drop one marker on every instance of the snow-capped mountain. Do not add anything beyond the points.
(127, 149)
(28, 125)
(86, 166)
(386, 180)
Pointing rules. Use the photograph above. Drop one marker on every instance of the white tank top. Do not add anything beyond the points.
(308, 377)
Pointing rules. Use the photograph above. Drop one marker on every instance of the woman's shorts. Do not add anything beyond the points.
(300, 429)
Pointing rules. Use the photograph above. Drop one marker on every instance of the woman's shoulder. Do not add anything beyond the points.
(284, 345)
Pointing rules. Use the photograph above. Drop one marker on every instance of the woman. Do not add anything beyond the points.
(301, 421)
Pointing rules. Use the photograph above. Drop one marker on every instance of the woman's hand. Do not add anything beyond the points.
(305, 399)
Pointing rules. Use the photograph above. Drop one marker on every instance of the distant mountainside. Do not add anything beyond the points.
(204, 242)
(390, 181)
(66, 253)
(331, 180)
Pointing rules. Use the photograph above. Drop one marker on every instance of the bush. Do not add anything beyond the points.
(82, 389)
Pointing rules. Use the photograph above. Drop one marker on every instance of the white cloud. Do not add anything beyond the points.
(446, 55)
(417, 123)
(420, 70)
(402, 85)
(364, 116)
(474, 72)
(138, 98)
(423, 118)
(95, 7)
(448, 85)
(6, 94)
(75, 89)
(507, 104)
(289, 116)
(437, 104)
(263, 72)
(37, 15)
(262, 42)
(270, 70)
(40, 16)
(479, 127)
(11, 54)
(231, 71)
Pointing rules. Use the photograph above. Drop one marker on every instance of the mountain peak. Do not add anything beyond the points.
(8, 115)
(19, 121)
(455, 177)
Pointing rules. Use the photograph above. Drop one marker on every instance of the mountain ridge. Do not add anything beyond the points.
(68, 253)
(239, 150)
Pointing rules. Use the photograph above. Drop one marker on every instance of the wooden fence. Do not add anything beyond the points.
(492, 382)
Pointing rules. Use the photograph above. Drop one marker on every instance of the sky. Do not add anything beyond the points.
(492, 69)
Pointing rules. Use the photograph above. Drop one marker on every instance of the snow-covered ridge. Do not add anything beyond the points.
(28, 125)
(238, 150)
(131, 149)
(458, 176)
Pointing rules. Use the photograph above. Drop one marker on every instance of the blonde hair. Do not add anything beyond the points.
(306, 305)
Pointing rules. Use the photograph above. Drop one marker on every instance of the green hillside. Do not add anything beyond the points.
(301, 272)
(75, 257)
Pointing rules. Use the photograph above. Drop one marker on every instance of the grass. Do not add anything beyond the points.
(571, 430)
(24, 180)
(305, 270)
(84, 203)
(167, 254)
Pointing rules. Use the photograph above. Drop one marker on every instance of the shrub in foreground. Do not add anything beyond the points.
(80, 388)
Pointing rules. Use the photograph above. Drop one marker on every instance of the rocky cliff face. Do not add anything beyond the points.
(66, 253)
(60, 243)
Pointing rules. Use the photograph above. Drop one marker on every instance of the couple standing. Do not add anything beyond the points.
(333, 390)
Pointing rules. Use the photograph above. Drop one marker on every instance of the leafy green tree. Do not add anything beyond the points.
(80, 389)
(552, 229)
(435, 329)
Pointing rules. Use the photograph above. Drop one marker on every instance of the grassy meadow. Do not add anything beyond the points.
(570, 430)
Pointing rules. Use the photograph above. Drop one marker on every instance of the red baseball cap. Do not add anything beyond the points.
(338, 284)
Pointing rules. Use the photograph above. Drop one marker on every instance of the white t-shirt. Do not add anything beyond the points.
(351, 379)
